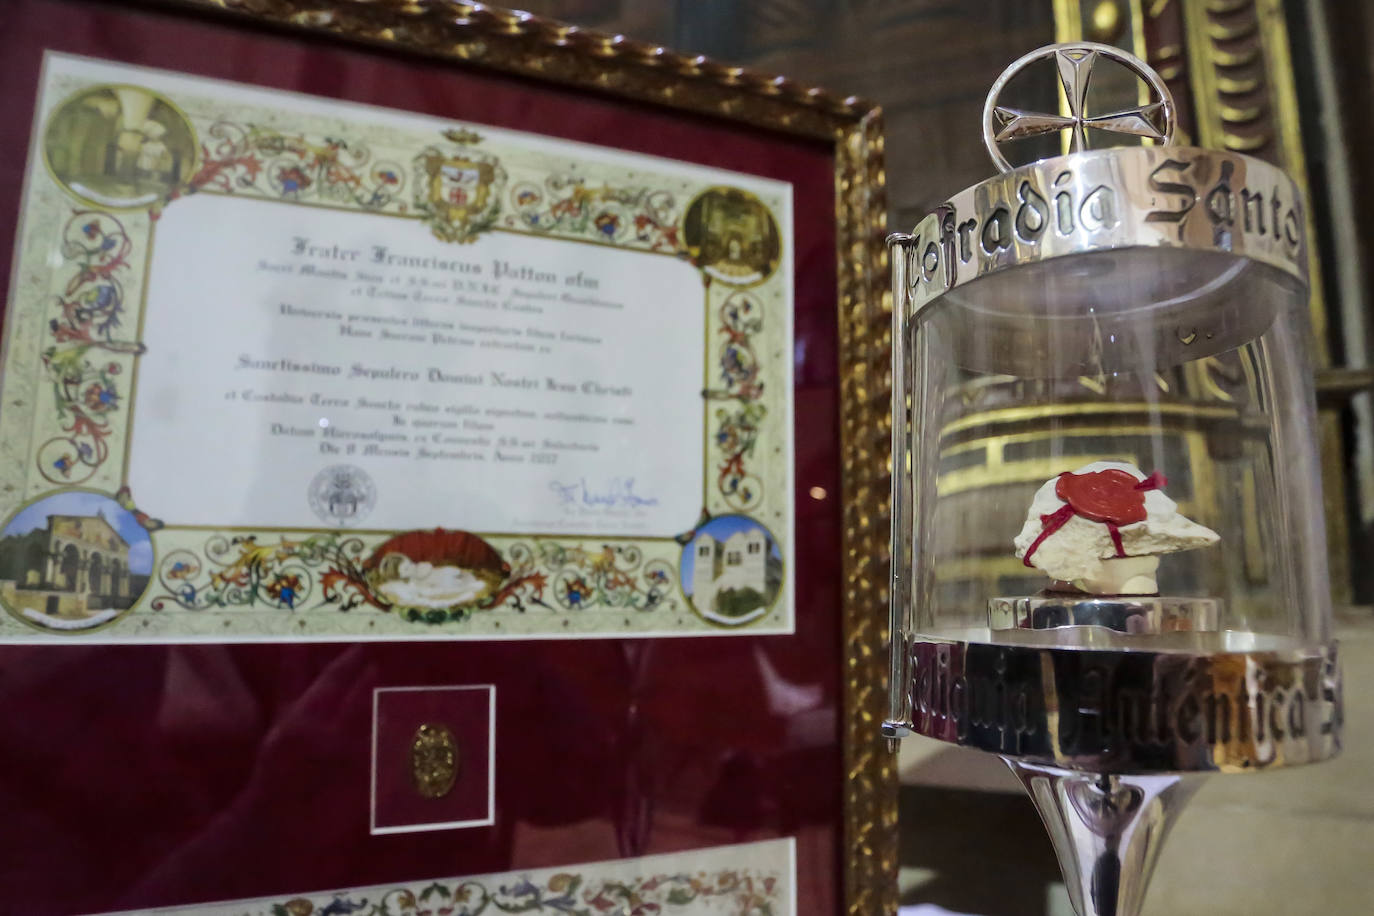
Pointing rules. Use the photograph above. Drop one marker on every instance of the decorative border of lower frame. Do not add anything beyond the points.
(755, 878)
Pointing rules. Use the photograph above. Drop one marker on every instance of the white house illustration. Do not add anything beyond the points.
(740, 562)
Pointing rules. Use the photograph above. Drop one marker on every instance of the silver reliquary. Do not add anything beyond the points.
(1108, 553)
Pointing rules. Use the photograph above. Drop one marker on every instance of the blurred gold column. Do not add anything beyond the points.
(1230, 68)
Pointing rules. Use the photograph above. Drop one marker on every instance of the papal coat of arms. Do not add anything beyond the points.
(342, 495)
(460, 190)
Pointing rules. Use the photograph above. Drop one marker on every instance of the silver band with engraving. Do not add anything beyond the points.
(1128, 712)
(1172, 199)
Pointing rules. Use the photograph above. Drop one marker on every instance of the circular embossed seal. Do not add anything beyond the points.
(342, 495)
(434, 760)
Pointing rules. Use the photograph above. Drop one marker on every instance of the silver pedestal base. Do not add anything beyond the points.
(1107, 830)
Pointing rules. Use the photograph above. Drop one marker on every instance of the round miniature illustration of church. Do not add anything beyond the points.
(123, 147)
(731, 570)
(73, 561)
(732, 236)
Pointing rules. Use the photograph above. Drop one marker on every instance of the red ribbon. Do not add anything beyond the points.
(1050, 523)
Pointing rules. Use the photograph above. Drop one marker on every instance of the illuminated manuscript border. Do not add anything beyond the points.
(755, 878)
(105, 568)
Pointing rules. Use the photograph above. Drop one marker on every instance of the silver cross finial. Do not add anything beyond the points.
(1075, 62)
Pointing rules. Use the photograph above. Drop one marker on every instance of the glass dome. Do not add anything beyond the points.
(1104, 468)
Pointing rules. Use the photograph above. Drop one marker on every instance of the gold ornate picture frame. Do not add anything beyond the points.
(623, 80)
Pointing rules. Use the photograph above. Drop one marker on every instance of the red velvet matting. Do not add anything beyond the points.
(154, 775)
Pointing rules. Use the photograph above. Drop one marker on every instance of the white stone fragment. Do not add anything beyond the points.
(1122, 576)
(1082, 551)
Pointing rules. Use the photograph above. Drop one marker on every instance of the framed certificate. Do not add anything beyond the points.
(443, 457)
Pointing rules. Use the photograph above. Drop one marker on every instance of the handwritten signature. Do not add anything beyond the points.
(618, 492)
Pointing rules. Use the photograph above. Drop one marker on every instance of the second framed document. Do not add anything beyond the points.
(395, 408)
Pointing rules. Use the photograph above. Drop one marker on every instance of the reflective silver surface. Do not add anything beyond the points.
(1134, 614)
(1125, 710)
(1157, 200)
(1075, 64)
(1107, 830)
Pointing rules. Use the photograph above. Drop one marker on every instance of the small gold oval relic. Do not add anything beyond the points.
(434, 760)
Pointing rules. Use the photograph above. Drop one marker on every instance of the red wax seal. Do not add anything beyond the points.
(1112, 497)
(1103, 496)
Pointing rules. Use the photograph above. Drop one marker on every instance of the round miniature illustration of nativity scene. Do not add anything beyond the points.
(119, 146)
(73, 561)
(430, 575)
(731, 570)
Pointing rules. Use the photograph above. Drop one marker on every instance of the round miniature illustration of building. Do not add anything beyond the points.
(732, 236)
(123, 147)
(73, 561)
(731, 570)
